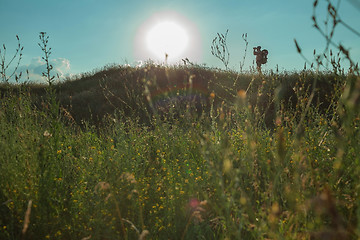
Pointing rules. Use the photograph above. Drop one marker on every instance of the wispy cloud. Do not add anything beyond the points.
(61, 68)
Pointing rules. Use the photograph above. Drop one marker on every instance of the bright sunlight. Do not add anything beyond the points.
(168, 33)
(167, 37)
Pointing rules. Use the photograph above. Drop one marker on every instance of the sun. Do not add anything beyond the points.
(167, 37)
(167, 33)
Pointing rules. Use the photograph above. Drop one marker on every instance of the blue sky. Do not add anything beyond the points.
(89, 34)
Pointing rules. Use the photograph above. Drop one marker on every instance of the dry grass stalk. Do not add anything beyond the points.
(27, 218)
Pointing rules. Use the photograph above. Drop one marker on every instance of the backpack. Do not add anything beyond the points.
(264, 56)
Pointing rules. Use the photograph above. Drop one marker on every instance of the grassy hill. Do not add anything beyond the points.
(181, 152)
(142, 92)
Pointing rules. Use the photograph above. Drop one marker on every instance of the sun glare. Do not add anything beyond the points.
(167, 38)
(167, 33)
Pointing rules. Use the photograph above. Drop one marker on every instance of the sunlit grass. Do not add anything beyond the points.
(215, 160)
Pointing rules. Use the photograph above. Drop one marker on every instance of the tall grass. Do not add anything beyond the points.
(245, 165)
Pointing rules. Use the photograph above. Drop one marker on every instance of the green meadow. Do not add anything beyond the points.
(181, 152)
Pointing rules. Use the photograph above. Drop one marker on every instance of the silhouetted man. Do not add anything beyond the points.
(261, 57)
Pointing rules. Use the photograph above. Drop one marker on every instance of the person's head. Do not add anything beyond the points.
(258, 47)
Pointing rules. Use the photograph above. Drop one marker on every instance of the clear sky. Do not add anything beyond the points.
(89, 34)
